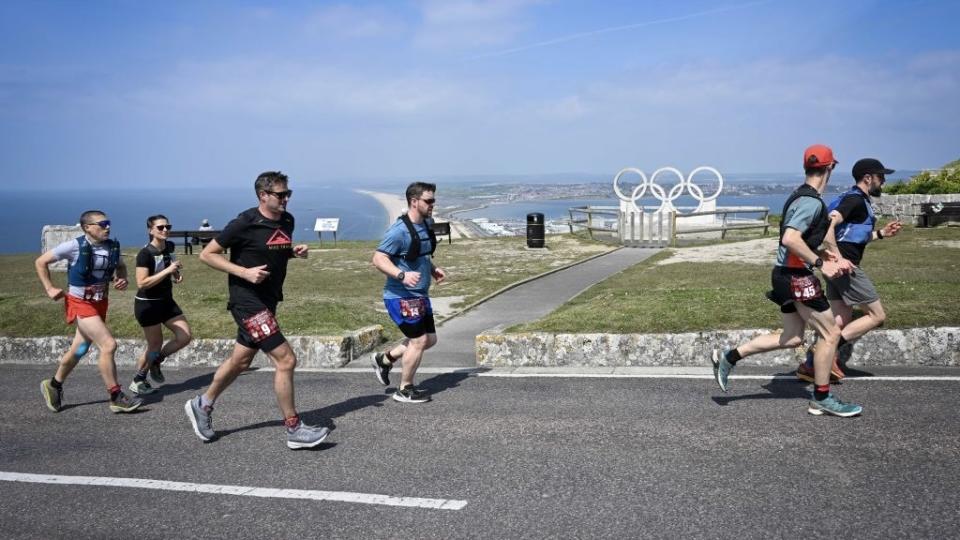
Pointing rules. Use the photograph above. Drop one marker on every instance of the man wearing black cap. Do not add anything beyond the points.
(853, 221)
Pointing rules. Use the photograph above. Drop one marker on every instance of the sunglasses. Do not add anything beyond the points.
(429, 201)
(164, 227)
(102, 224)
(281, 194)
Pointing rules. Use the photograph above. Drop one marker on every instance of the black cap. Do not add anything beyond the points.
(869, 166)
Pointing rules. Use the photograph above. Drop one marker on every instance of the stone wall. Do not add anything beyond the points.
(52, 236)
(907, 207)
(909, 347)
(312, 351)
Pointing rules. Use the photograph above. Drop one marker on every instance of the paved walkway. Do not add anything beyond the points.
(527, 302)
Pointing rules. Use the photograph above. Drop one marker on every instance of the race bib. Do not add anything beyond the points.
(413, 308)
(95, 293)
(261, 325)
(805, 288)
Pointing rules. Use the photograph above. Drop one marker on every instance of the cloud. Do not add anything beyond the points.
(620, 28)
(351, 21)
(466, 24)
(302, 90)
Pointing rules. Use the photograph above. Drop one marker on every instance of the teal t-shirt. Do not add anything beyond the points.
(801, 213)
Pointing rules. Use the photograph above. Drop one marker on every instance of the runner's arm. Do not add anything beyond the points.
(381, 261)
(43, 272)
(120, 278)
(212, 256)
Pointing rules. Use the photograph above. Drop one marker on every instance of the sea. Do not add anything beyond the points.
(361, 216)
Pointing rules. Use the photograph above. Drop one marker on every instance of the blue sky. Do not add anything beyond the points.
(138, 93)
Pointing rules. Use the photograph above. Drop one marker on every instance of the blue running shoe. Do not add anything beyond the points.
(721, 369)
(832, 405)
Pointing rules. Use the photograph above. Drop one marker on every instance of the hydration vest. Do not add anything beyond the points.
(815, 232)
(855, 233)
(414, 252)
(80, 273)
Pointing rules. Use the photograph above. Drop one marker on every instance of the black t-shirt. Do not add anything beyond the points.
(854, 210)
(255, 240)
(155, 260)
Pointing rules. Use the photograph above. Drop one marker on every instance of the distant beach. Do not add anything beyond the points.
(393, 205)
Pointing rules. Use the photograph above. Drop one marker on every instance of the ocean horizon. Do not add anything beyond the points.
(361, 216)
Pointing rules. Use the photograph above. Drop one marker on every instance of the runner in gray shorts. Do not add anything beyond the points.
(854, 288)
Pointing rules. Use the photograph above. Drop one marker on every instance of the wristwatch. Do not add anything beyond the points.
(816, 264)
(401, 275)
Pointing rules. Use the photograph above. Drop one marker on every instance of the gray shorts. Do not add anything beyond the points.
(854, 288)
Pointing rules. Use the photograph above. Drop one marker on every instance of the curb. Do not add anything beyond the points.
(937, 346)
(311, 351)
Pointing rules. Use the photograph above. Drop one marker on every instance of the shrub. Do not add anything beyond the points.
(946, 180)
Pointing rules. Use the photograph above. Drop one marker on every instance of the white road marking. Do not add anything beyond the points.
(708, 377)
(243, 491)
(682, 372)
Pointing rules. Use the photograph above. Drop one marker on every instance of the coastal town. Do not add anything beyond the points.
(461, 199)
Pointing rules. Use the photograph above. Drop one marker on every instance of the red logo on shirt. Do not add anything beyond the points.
(279, 240)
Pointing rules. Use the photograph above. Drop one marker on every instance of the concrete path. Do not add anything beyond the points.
(527, 302)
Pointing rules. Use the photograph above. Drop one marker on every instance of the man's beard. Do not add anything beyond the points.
(875, 192)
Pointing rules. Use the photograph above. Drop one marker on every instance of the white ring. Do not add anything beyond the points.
(666, 198)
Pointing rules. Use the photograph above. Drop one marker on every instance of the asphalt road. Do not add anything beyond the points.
(530, 458)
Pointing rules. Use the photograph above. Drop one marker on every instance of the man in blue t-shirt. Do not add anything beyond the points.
(405, 257)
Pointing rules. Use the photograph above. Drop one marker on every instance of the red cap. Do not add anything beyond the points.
(818, 155)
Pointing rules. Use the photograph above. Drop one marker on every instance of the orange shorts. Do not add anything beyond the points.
(80, 308)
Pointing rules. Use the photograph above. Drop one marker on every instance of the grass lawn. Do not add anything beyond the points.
(333, 291)
(916, 273)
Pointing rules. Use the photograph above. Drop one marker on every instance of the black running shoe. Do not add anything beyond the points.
(411, 394)
(52, 396)
(381, 368)
(156, 374)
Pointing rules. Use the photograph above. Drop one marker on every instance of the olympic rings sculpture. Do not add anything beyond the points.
(666, 198)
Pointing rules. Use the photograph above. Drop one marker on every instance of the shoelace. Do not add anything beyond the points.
(208, 423)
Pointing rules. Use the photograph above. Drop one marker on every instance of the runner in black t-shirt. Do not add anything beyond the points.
(260, 244)
(154, 306)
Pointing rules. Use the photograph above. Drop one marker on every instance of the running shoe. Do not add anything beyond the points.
(381, 368)
(200, 419)
(156, 374)
(832, 405)
(304, 436)
(142, 388)
(411, 394)
(805, 369)
(721, 368)
(125, 404)
(52, 396)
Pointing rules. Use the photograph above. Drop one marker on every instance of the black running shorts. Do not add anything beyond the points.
(154, 312)
(796, 285)
(258, 328)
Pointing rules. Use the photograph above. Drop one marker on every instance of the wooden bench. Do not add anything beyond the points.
(933, 214)
(188, 237)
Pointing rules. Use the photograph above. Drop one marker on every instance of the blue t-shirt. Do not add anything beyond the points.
(799, 216)
(395, 244)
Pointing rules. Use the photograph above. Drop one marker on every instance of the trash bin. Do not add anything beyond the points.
(535, 230)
